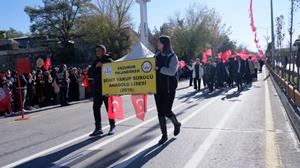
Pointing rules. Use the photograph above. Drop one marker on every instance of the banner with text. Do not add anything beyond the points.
(129, 77)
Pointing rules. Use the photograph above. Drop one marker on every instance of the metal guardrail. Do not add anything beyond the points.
(290, 98)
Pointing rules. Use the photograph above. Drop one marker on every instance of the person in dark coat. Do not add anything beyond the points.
(96, 73)
(191, 72)
(62, 81)
(74, 86)
(211, 75)
(239, 71)
(166, 72)
(40, 87)
(220, 73)
(23, 88)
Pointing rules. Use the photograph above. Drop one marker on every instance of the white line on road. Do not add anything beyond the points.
(24, 160)
(96, 147)
(209, 140)
(124, 163)
(63, 163)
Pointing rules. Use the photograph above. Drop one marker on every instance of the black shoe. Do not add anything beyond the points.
(112, 130)
(177, 129)
(177, 125)
(97, 132)
(163, 139)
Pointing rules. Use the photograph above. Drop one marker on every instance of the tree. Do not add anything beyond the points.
(280, 35)
(294, 5)
(200, 28)
(109, 24)
(2, 34)
(10, 33)
(13, 33)
(57, 18)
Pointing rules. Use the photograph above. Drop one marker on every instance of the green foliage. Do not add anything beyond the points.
(2, 34)
(57, 18)
(109, 24)
(280, 35)
(199, 29)
(11, 33)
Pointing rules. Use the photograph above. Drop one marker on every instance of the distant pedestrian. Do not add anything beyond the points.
(197, 73)
(63, 83)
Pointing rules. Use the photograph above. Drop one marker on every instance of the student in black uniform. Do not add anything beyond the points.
(96, 72)
(166, 70)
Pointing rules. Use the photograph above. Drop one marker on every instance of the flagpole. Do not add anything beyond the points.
(23, 117)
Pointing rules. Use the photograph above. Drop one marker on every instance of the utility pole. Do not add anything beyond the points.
(144, 32)
(273, 36)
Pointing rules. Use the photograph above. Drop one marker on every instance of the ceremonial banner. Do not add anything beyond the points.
(129, 77)
(23, 65)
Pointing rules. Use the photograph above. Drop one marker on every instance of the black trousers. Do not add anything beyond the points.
(97, 103)
(164, 102)
(191, 80)
(63, 95)
(210, 85)
(197, 83)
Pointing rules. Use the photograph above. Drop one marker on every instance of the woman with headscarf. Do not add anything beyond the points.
(166, 74)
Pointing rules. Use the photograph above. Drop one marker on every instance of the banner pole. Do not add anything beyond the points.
(20, 96)
(23, 117)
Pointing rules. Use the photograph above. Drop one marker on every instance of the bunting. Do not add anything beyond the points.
(253, 29)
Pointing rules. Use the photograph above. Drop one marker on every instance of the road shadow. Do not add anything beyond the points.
(183, 88)
(231, 96)
(16, 114)
(145, 156)
(49, 159)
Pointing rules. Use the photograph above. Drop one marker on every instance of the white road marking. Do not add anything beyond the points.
(24, 160)
(209, 140)
(63, 163)
(44, 152)
(124, 163)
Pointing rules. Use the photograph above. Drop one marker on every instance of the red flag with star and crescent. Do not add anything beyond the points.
(140, 105)
(115, 107)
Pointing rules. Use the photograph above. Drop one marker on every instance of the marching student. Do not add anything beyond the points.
(166, 69)
(95, 72)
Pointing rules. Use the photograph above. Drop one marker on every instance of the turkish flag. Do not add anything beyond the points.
(208, 52)
(243, 54)
(140, 105)
(115, 107)
(47, 64)
(226, 55)
(204, 57)
(181, 64)
(260, 53)
(23, 65)
(220, 55)
(254, 59)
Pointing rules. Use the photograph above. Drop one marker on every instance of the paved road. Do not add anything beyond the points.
(221, 129)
